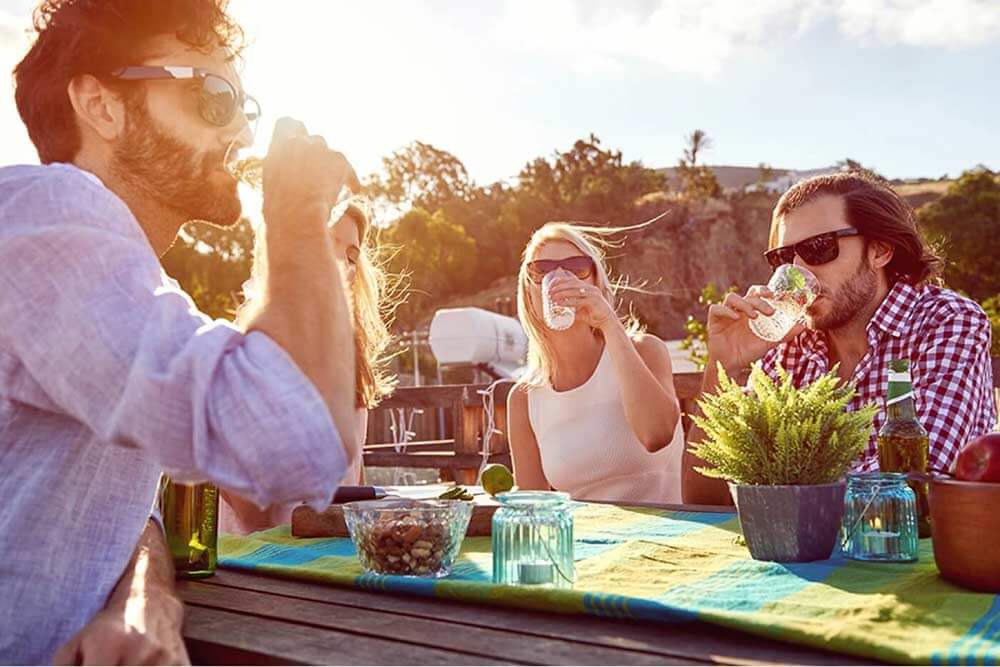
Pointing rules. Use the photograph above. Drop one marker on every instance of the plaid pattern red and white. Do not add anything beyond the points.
(945, 336)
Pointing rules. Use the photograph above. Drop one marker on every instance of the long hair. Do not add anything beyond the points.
(591, 241)
(375, 295)
(875, 210)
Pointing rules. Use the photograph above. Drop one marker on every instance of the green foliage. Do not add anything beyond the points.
(435, 252)
(420, 175)
(587, 182)
(965, 222)
(211, 263)
(778, 434)
(696, 341)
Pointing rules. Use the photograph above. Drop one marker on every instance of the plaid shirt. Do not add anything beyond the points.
(945, 336)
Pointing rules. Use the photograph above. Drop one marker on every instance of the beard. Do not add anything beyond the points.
(849, 301)
(174, 175)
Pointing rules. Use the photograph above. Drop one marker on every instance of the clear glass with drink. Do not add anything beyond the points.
(557, 317)
(793, 290)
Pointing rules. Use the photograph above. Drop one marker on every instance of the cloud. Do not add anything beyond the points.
(700, 37)
(931, 23)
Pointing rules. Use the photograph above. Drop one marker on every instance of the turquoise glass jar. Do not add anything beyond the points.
(880, 518)
(533, 539)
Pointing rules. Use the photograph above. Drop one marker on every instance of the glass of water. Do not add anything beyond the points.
(793, 290)
(557, 317)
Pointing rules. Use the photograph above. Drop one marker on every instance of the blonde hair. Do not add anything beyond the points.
(374, 296)
(591, 241)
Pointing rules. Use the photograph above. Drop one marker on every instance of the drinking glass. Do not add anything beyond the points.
(250, 172)
(557, 318)
(793, 290)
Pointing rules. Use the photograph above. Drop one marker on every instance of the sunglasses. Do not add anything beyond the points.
(814, 251)
(580, 266)
(218, 100)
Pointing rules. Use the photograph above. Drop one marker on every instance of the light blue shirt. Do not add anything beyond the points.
(108, 375)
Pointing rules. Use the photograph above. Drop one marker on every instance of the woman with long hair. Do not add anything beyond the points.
(595, 415)
(374, 298)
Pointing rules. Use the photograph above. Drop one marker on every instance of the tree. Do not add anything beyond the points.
(698, 141)
(698, 182)
(211, 263)
(965, 222)
(420, 175)
(437, 255)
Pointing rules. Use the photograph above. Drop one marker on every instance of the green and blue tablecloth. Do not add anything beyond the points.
(668, 566)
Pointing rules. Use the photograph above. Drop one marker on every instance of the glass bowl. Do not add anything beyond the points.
(419, 538)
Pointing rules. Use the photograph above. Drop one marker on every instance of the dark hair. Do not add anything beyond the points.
(97, 37)
(875, 210)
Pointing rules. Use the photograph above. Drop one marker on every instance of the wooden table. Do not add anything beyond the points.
(242, 618)
(239, 618)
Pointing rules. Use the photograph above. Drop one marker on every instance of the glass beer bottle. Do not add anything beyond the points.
(902, 442)
(190, 519)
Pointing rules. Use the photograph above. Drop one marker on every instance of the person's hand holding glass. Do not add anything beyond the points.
(743, 328)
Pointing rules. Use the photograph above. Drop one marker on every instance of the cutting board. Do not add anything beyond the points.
(306, 522)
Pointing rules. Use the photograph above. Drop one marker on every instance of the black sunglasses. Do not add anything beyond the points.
(580, 266)
(814, 250)
(218, 99)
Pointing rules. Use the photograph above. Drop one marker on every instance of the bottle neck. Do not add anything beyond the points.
(899, 402)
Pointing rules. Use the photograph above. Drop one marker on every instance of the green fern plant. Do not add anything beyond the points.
(775, 433)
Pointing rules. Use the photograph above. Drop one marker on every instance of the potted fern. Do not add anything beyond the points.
(784, 452)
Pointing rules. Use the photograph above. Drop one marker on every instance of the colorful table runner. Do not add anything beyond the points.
(667, 566)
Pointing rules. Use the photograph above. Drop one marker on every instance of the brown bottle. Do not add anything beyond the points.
(903, 445)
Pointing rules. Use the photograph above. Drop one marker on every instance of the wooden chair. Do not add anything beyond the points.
(458, 457)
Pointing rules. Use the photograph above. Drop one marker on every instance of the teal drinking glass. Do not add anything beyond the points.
(533, 539)
(880, 518)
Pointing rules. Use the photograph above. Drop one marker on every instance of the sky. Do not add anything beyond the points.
(908, 87)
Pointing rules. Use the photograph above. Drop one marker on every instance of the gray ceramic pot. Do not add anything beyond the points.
(790, 524)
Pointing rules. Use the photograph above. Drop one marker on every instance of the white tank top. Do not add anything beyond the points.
(589, 450)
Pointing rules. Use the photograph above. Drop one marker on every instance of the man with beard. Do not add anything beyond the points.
(108, 373)
(877, 302)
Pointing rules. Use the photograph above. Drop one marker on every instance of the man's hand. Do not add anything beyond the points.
(145, 632)
(730, 340)
(141, 623)
(302, 179)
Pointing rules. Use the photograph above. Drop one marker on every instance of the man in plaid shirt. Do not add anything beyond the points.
(877, 302)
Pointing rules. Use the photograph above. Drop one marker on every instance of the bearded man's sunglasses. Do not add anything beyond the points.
(218, 100)
(580, 266)
(814, 251)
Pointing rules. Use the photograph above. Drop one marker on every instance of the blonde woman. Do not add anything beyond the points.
(373, 302)
(596, 414)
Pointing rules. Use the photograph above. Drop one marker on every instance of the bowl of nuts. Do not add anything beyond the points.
(418, 538)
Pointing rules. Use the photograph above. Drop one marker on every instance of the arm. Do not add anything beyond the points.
(528, 473)
(304, 308)
(141, 622)
(952, 383)
(143, 368)
(647, 384)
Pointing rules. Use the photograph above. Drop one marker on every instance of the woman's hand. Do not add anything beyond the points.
(591, 306)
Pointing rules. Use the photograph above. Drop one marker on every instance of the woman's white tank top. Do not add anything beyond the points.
(589, 450)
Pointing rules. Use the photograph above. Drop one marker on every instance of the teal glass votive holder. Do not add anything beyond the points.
(880, 518)
(533, 539)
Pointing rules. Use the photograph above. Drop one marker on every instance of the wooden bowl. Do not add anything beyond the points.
(965, 520)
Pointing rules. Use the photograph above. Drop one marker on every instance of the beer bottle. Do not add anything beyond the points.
(190, 516)
(902, 442)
